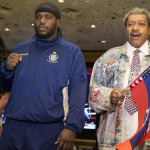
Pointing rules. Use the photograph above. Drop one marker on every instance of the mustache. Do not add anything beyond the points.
(135, 34)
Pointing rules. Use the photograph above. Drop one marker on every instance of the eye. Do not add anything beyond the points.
(37, 17)
(130, 24)
(141, 24)
(48, 17)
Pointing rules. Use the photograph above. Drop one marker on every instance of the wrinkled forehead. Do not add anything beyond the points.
(137, 18)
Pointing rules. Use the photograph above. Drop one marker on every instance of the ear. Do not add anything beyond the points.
(58, 22)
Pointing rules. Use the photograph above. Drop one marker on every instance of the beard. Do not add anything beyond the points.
(49, 34)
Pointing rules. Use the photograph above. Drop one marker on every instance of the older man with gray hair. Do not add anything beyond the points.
(112, 73)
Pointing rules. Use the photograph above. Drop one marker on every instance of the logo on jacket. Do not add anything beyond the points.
(24, 54)
(53, 58)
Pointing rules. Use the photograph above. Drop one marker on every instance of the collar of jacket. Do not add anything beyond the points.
(47, 43)
(124, 49)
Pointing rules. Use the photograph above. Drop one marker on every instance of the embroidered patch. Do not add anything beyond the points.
(24, 54)
(53, 58)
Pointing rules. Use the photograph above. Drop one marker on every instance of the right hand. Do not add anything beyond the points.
(13, 60)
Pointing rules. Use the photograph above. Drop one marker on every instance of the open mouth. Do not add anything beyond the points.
(135, 36)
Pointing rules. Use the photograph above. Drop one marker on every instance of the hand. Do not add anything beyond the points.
(13, 60)
(117, 97)
(66, 140)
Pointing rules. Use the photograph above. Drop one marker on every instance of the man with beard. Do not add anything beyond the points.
(47, 80)
(112, 73)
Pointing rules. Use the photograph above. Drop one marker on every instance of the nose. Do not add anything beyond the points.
(135, 27)
(42, 20)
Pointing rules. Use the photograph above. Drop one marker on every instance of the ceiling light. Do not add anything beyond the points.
(61, 1)
(93, 26)
(6, 29)
(103, 41)
(32, 24)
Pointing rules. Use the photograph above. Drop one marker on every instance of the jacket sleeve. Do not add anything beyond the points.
(77, 92)
(99, 93)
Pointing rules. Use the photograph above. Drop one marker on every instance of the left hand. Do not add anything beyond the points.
(117, 96)
(66, 140)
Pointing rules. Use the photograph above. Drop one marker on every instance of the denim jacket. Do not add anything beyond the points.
(108, 73)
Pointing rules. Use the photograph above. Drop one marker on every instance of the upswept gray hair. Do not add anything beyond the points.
(136, 11)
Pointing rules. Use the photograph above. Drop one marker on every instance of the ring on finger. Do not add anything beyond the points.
(119, 95)
(119, 103)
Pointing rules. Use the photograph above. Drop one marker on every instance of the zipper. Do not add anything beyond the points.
(38, 53)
